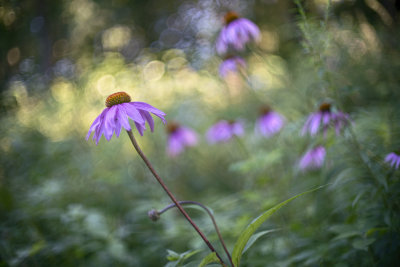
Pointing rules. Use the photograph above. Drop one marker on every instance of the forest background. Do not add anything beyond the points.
(66, 202)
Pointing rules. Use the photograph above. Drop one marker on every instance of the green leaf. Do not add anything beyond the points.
(189, 254)
(363, 243)
(380, 230)
(210, 258)
(172, 255)
(244, 237)
(346, 235)
(254, 238)
(177, 259)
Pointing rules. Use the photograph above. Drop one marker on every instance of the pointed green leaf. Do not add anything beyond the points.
(238, 250)
(172, 255)
(177, 259)
(210, 258)
(254, 238)
(189, 254)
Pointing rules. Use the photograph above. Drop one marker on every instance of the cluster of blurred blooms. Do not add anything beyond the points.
(268, 124)
(233, 38)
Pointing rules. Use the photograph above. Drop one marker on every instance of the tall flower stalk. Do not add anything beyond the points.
(171, 196)
(119, 109)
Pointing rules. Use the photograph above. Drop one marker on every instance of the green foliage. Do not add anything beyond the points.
(210, 258)
(176, 260)
(68, 202)
(247, 237)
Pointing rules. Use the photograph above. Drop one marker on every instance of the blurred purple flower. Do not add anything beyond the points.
(224, 130)
(231, 65)
(393, 160)
(179, 137)
(313, 159)
(269, 123)
(117, 113)
(324, 118)
(236, 33)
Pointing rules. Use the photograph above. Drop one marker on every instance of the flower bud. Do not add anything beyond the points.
(153, 215)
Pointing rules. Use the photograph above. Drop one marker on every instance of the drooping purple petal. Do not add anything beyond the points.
(237, 128)
(123, 117)
(93, 127)
(252, 29)
(100, 126)
(132, 112)
(223, 131)
(149, 108)
(269, 124)
(140, 127)
(389, 157)
(118, 125)
(146, 115)
(189, 137)
(231, 65)
(236, 35)
(326, 117)
(219, 132)
(315, 123)
(180, 137)
(109, 122)
(313, 158)
(306, 125)
(221, 44)
(393, 160)
(175, 146)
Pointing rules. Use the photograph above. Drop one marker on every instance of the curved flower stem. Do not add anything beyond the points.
(160, 181)
(211, 217)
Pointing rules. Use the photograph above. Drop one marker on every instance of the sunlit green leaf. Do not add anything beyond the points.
(380, 230)
(243, 239)
(172, 255)
(210, 258)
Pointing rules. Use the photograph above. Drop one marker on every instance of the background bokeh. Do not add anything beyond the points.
(67, 202)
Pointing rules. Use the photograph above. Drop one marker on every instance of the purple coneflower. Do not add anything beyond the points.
(313, 158)
(179, 137)
(236, 33)
(323, 118)
(393, 160)
(231, 64)
(117, 113)
(269, 123)
(224, 130)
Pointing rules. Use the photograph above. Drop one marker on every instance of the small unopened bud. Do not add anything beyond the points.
(153, 215)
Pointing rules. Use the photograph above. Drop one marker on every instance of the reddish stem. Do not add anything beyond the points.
(160, 181)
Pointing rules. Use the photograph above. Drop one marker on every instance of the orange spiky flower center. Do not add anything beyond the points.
(117, 98)
(325, 107)
(230, 16)
(172, 127)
